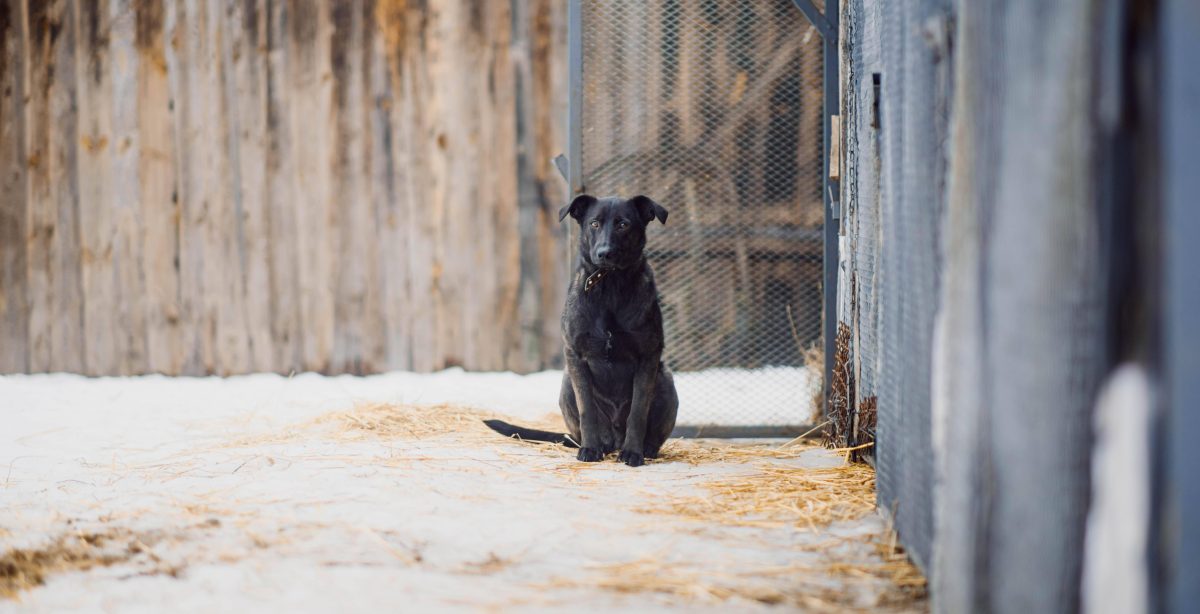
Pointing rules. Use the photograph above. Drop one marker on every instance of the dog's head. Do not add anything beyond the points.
(612, 231)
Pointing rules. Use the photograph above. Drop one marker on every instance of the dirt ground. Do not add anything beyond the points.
(264, 493)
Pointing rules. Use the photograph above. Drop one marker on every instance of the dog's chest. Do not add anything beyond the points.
(615, 321)
(612, 360)
(611, 336)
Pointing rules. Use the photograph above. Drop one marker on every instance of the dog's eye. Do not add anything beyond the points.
(595, 223)
(623, 225)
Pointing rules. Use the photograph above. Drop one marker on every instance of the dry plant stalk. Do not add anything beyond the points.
(492, 564)
(813, 358)
(900, 570)
(814, 361)
(841, 416)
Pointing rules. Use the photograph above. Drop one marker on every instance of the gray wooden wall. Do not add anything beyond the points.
(1006, 211)
(195, 187)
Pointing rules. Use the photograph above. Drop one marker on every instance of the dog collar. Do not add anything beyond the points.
(593, 279)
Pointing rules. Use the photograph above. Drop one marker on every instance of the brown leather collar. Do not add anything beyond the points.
(594, 279)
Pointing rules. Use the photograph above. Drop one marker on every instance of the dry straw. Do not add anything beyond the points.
(844, 583)
(777, 493)
(772, 486)
(391, 421)
(775, 496)
(25, 568)
(386, 421)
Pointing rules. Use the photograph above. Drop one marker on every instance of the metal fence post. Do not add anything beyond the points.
(575, 96)
(574, 170)
(827, 25)
(832, 215)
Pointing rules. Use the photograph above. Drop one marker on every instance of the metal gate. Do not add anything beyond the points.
(717, 110)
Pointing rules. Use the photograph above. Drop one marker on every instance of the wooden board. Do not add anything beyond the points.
(195, 187)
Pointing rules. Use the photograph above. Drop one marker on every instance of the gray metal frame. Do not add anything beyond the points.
(832, 189)
(575, 98)
(827, 26)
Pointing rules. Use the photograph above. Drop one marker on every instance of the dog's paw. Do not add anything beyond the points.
(590, 455)
(633, 459)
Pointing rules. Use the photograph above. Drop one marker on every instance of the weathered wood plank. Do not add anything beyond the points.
(389, 144)
(357, 316)
(211, 299)
(243, 64)
(529, 330)
(548, 66)
(56, 288)
(469, 274)
(196, 327)
(224, 297)
(437, 84)
(374, 343)
(40, 217)
(421, 304)
(157, 202)
(472, 180)
(130, 350)
(461, 239)
(312, 124)
(97, 226)
(539, 88)
(14, 313)
(284, 185)
(284, 300)
(498, 188)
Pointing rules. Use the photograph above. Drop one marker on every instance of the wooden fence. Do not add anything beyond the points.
(194, 187)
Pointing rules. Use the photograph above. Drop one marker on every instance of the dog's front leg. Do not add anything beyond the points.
(591, 449)
(644, 381)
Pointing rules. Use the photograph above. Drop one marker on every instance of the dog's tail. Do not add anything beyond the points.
(520, 432)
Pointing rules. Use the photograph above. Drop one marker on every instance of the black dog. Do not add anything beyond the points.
(615, 390)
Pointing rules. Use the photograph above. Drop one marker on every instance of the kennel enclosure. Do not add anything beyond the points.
(717, 110)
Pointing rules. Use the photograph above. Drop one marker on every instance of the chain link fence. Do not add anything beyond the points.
(895, 109)
(913, 130)
(714, 109)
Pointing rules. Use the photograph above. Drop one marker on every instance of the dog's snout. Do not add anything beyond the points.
(603, 252)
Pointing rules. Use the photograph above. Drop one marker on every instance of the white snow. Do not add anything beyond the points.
(770, 396)
(314, 524)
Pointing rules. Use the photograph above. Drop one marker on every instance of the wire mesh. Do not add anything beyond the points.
(714, 109)
(913, 130)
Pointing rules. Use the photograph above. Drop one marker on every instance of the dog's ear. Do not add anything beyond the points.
(649, 209)
(577, 207)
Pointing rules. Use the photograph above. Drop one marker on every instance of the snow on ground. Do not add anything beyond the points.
(220, 513)
(770, 396)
